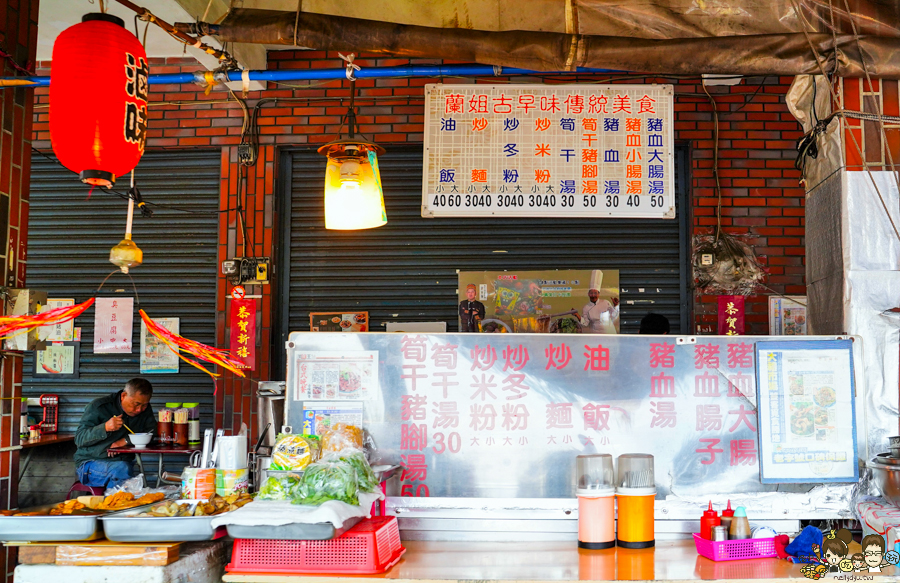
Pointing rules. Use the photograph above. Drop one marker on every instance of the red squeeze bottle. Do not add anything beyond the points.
(710, 519)
(727, 516)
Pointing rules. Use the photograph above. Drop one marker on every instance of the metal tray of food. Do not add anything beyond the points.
(64, 527)
(293, 531)
(127, 527)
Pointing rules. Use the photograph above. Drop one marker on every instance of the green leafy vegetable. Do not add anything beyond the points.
(326, 481)
(367, 480)
(278, 488)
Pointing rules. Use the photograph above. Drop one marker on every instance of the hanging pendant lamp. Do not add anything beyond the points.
(354, 198)
(98, 99)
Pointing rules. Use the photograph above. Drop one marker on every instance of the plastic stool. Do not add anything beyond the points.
(79, 487)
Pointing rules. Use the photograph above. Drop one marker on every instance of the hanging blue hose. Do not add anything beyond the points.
(341, 73)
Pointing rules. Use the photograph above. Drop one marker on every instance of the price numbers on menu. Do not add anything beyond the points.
(546, 201)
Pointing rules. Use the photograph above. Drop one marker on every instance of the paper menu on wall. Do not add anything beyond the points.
(322, 375)
(807, 425)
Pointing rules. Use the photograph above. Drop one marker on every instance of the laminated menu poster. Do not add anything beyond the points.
(807, 423)
(339, 321)
(342, 376)
(318, 416)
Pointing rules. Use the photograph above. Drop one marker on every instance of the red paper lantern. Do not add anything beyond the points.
(98, 99)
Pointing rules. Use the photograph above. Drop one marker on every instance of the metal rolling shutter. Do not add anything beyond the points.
(69, 239)
(406, 270)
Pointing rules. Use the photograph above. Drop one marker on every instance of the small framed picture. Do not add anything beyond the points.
(59, 359)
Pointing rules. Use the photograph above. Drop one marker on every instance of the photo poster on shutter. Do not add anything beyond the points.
(113, 320)
(544, 300)
(807, 421)
(156, 356)
(60, 331)
(787, 316)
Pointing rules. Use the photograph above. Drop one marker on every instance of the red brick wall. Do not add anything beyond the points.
(18, 38)
(761, 195)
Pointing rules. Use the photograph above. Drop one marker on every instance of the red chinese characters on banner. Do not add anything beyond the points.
(731, 315)
(243, 332)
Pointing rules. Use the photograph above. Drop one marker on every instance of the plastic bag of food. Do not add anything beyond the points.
(330, 480)
(278, 488)
(292, 452)
(368, 482)
(341, 436)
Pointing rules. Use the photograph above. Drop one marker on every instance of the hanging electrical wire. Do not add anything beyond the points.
(835, 99)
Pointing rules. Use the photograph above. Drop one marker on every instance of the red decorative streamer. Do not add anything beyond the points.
(202, 351)
(14, 325)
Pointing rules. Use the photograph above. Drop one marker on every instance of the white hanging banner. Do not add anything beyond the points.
(113, 318)
(549, 151)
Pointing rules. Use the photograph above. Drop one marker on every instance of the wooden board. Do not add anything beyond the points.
(35, 555)
(110, 553)
(103, 552)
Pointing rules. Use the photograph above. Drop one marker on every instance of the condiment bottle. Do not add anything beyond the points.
(740, 526)
(727, 515)
(23, 420)
(708, 521)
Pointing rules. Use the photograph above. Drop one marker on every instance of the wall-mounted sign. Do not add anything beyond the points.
(113, 319)
(549, 151)
(807, 421)
(243, 332)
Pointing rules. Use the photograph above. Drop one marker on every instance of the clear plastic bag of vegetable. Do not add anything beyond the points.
(368, 482)
(341, 436)
(328, 480)
(278, 488)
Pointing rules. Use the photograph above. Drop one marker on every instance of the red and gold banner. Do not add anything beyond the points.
(243, 332)
(731, 315)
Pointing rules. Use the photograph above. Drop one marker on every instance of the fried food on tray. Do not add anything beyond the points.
(123, 500)
(215, 505)
(67, 507)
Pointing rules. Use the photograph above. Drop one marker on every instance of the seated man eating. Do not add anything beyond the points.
(103, 426)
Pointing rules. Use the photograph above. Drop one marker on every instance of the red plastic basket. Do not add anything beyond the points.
(732, 550)
(372, 546)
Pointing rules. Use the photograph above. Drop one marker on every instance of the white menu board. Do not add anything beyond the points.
(549, 151)
(807, 423)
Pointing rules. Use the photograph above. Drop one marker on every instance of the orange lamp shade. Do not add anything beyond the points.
(98, 99)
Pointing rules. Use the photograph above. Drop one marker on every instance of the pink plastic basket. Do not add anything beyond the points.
(732, 550)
